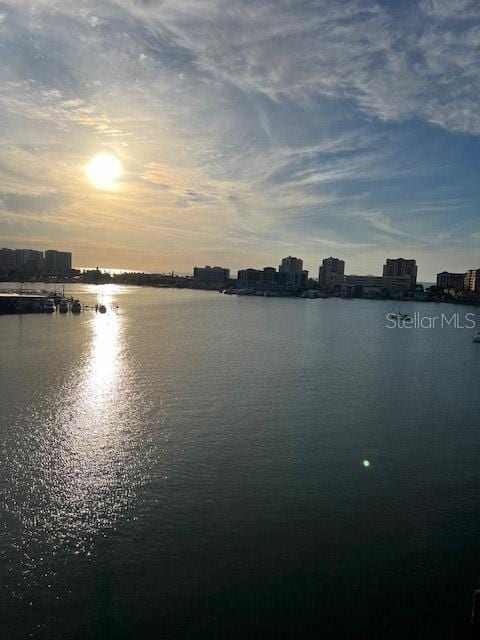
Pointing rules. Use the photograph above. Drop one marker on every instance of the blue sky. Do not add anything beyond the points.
(247, 130)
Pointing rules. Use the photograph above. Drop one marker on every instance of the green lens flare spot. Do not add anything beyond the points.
(366, 463)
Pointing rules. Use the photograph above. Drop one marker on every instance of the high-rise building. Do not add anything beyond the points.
(472, 280)
(7, 260)
(58, 261)
(399, 267)
(29, 260)
(211, 275)
(291, 274)
(331, 273)
(447, 280)
(291, 265)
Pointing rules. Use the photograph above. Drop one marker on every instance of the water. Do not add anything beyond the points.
(192, 466)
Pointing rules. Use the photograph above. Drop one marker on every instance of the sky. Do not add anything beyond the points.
(248, 131)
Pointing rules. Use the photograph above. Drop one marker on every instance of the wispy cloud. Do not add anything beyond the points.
(393, 65)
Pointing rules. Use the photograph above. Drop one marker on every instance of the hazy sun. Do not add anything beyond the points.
(104, 170)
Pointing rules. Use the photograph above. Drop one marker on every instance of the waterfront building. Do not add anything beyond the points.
(472, 280)
(7, 260)
(211, 275)
(248, 278)
(269, 279)
(331, 273)
(357, 285)
(29, 260)
(58, 261)
(291, 274)
(400, 267)
(291, 265)
(261, 279)
(447, 280)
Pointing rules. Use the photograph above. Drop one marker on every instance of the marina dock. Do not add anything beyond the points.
(31, 301)
(14, 302)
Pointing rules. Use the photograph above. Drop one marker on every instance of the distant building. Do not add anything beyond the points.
(291, 274)
(211, 275)
(58, 261)
(472, 280)
(268, 279)
(250, 278)
(291, 265)
(29, 260)
(269, 276)
(262, 279)
(447, 280)
(355, 285)
(331, 273)
(399, 267)
(7, 260)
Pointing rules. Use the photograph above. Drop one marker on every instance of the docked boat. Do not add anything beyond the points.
(76, 306)
(63, 306)
(49, 305)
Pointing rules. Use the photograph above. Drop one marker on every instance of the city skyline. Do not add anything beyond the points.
(328, 269)
(243, 132)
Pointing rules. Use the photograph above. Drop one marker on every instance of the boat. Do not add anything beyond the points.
(49, 305)
(102, 308)
(76, 306)
(63, 306)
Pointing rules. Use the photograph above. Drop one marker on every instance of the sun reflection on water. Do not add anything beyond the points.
(78, 470)
(105, 353)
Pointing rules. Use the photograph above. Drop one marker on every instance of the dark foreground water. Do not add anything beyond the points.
(193, 467)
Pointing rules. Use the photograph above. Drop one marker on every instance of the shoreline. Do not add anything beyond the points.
(249, 294)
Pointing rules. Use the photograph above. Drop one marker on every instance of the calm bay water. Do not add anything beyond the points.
(193, 466)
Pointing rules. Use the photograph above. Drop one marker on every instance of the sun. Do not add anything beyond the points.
(104, 170)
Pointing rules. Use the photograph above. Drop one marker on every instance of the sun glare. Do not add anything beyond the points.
(104, 170)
